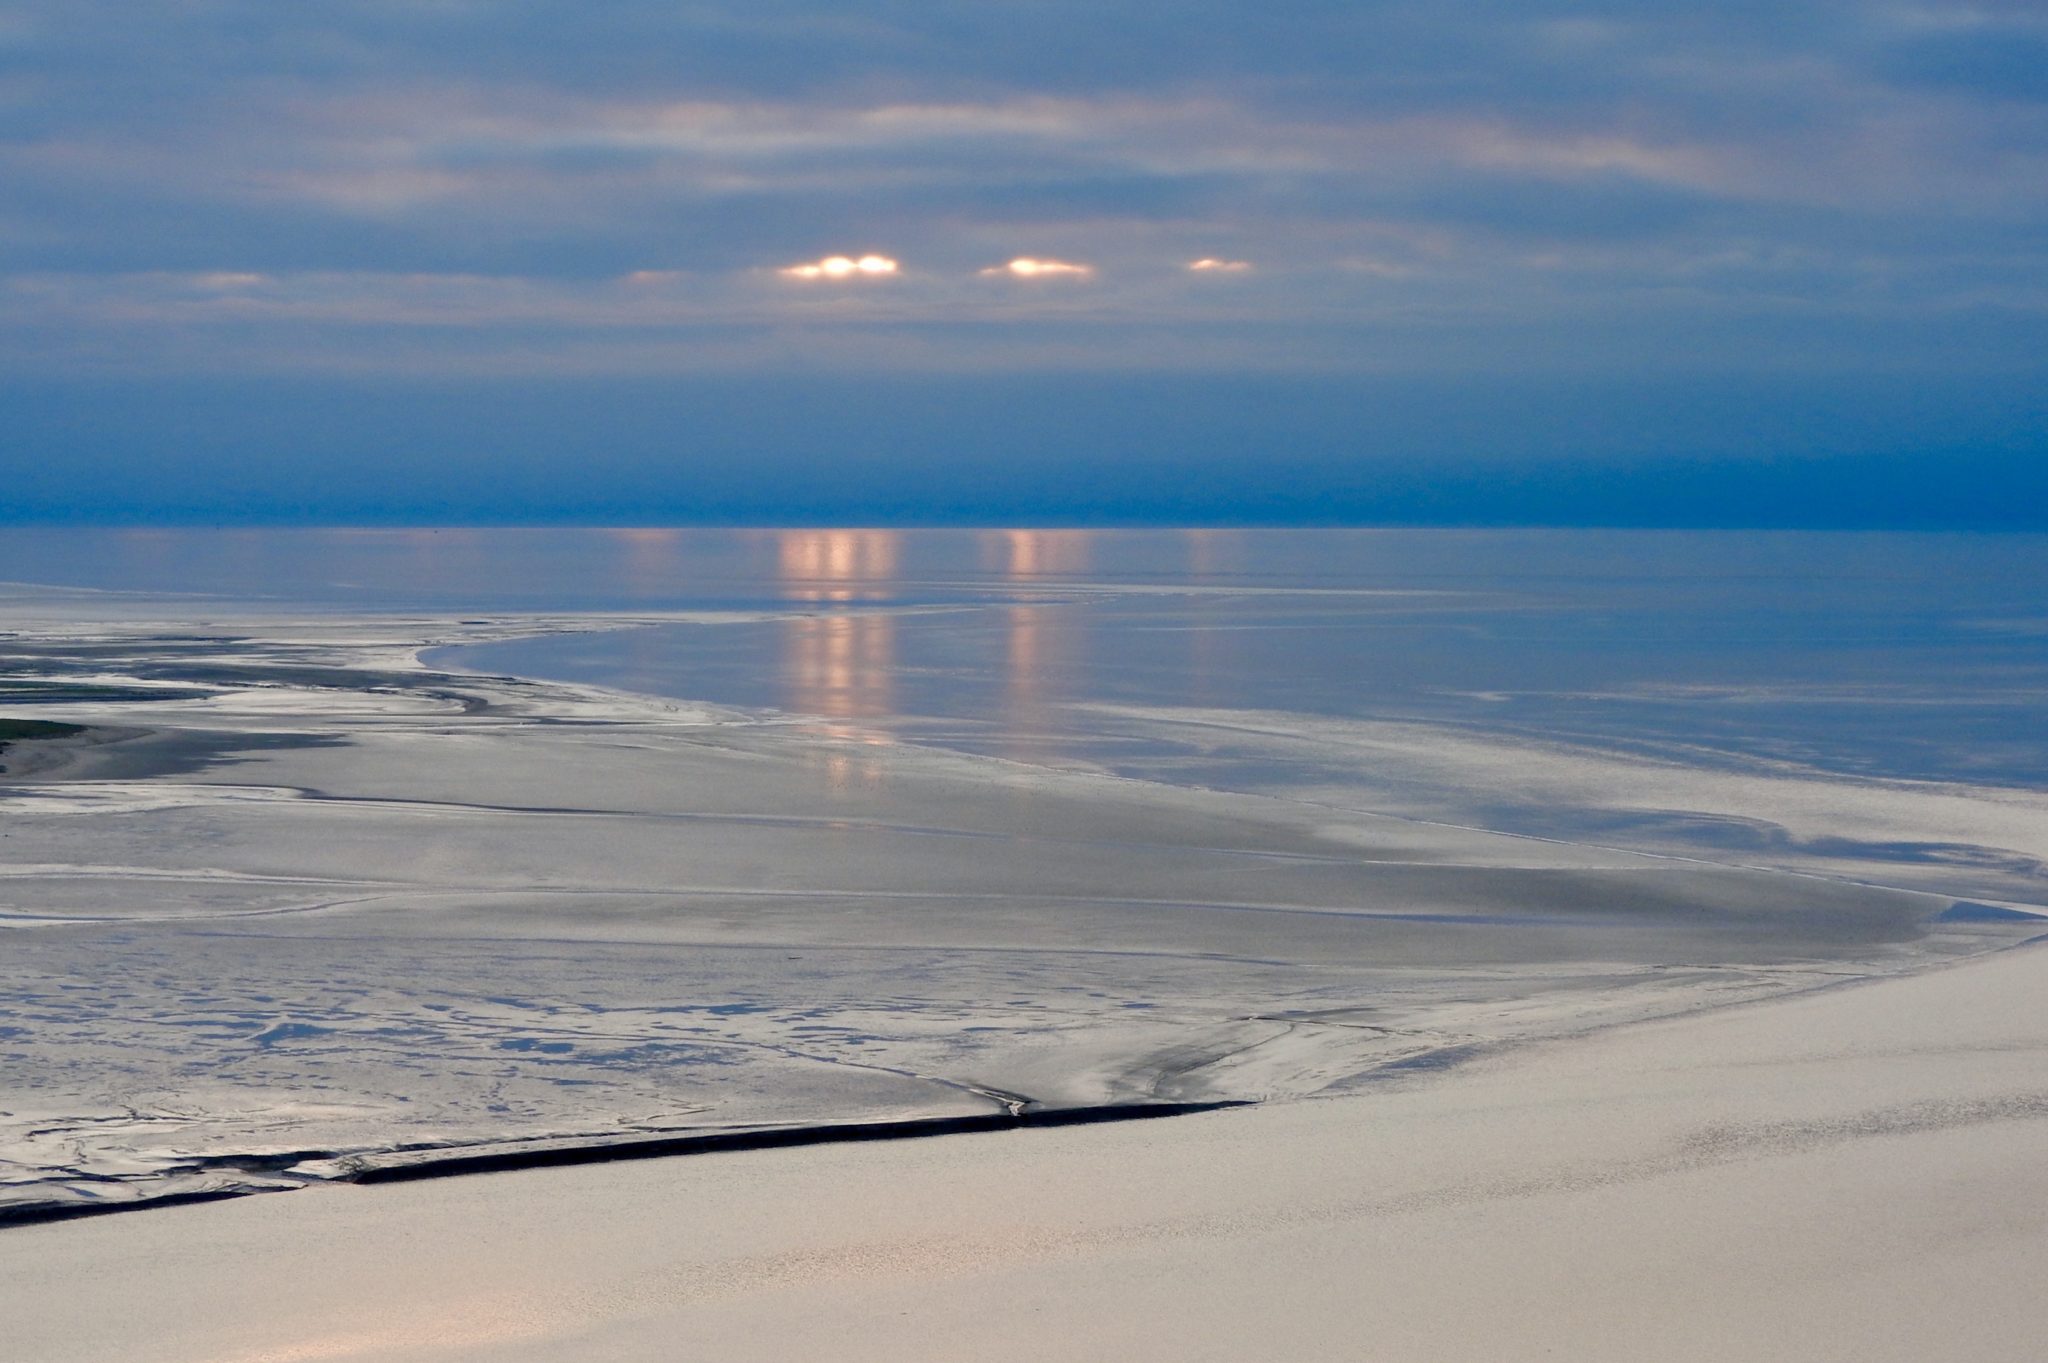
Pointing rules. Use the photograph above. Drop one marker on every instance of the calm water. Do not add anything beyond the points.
(1898, 655)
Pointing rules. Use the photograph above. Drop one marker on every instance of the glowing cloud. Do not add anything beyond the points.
(841, 267)
(1211, 265)
(1030, 267)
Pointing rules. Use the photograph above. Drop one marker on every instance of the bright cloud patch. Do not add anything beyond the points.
(841, 267)
(1031, 267)
(1211, 265)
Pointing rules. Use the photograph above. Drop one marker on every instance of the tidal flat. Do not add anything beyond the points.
(325, 893)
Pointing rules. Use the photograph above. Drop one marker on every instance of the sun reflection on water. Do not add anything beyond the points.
(841, 666)
(1041, 640)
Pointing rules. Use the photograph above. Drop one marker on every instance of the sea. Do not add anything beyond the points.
(1882, 655)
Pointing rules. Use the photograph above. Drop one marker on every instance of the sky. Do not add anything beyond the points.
(518, 260)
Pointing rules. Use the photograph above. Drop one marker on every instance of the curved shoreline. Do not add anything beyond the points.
(344, 704)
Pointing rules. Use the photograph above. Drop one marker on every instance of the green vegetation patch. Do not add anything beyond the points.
(15, 730)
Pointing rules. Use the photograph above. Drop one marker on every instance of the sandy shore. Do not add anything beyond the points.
(327, 908)
(306, 906)
(1853, 1173)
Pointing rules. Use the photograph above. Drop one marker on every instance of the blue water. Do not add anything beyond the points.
(1904, 656)
(1907, 655)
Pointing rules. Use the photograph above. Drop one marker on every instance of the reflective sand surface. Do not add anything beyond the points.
(1848, 1175)
(952, 823)
(1509, 680)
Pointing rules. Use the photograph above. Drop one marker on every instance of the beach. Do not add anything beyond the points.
(299, 907)
(1853, 1173)
(1024, 682)
(407, 983)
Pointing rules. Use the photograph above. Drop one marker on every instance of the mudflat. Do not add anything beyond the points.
(314, 910)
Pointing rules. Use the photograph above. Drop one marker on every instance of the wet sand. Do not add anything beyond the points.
(1849, 1174)
(1585, 989)
(321, 910)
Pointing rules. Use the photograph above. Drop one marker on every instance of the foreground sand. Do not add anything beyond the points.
(1855, 1173)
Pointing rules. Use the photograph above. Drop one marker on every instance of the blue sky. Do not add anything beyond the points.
(510, 259)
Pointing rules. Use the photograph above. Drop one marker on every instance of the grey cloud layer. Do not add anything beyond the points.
(498, 172)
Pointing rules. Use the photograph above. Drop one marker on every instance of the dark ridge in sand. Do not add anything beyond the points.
(39, 1213)
(829, 1133)
(410, 1167)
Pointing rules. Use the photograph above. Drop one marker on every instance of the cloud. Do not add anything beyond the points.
(842, 267)
(1492, 172)
(1034, 267)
